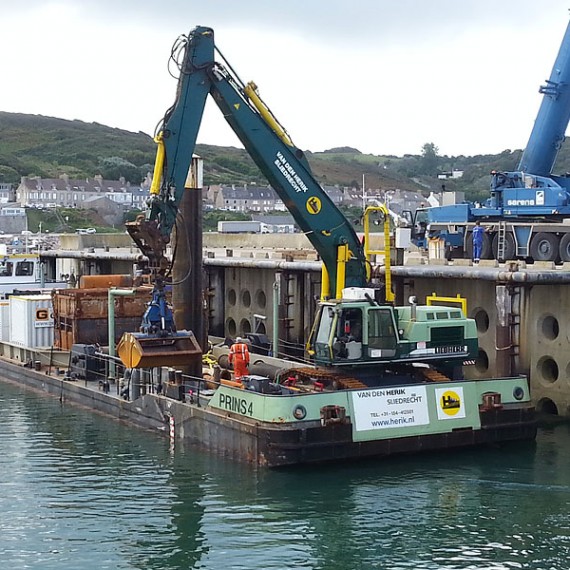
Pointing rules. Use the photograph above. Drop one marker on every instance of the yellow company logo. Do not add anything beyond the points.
(313, 205)
(450, 402)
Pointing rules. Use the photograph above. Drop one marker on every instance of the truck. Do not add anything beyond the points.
(375, 372)
(527, 215)
(242, 227)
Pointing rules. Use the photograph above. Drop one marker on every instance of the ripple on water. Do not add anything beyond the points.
(80, 491)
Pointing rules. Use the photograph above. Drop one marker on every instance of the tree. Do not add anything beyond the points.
(9, 174)
(430, 159)
(115, 167)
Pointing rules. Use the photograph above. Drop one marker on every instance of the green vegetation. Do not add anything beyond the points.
(33, 145)
(56, 220)
(49, 147)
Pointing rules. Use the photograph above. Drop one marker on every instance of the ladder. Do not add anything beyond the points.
(501, 240)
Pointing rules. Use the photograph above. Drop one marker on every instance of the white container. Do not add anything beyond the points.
(403, 238)
(436, 248)
(4, 320)
(31, 321)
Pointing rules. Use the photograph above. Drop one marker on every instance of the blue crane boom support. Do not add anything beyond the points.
(553, 116)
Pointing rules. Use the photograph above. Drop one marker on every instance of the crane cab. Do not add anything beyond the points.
(349, 332)
(356, 332)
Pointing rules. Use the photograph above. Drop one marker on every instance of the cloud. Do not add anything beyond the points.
(379, 75)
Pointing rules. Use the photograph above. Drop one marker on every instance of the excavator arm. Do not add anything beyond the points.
(354, 330)
(283, 164)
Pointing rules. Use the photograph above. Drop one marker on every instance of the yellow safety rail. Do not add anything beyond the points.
(343, 255)
(459, 300)
(369, 252)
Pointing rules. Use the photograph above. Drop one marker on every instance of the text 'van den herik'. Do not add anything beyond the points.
(382, 393)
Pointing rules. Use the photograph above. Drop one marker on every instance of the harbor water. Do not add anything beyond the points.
(81, 491)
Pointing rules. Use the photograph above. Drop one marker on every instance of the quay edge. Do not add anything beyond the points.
(537, 321)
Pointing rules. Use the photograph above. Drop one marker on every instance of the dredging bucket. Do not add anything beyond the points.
(139, 350)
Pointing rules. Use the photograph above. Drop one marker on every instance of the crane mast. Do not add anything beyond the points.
(552, 119)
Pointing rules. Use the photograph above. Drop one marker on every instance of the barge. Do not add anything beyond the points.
(272, 424)
(383, 379)
(277, 430)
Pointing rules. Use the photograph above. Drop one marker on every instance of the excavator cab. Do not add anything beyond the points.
(353, 332)
(361, 331)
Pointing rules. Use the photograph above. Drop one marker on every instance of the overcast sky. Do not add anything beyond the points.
(383, 76)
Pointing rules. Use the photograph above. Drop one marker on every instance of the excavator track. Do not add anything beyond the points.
(330, 380)
(435, 376)
(326, 378)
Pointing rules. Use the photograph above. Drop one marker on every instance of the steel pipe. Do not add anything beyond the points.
(111, 323)
(73, 254)
(500, 275)
(264, 263)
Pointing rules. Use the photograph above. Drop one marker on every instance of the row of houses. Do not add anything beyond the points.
(113, 197)
(257, 199)
(76, 193)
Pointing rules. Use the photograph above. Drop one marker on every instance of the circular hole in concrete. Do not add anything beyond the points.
(549, 327)
(546, 406)
(244, 326)
(246, 298)
(481, 320)
(482, 361)
(232, 297)
(261, 299)
(547, 369)
(231, 327)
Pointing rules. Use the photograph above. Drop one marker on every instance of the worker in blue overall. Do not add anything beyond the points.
(478, 232)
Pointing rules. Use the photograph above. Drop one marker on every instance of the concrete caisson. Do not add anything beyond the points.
(549, 354)
(539, 332)
(519, 313)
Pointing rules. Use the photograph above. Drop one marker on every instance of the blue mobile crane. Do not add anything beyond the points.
(528, 209)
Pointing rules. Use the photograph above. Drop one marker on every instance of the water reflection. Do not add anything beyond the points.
(81, 491)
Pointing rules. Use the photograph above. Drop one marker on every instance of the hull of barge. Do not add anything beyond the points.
(263, 429)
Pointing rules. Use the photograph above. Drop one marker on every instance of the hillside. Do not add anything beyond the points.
(48, 147)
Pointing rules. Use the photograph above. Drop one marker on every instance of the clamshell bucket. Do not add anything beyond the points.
(140, 350)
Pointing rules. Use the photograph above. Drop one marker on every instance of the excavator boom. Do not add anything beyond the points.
(267, 142)
(354, 327)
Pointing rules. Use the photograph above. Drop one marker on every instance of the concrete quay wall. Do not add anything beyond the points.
(531, 336)
(260, 283)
